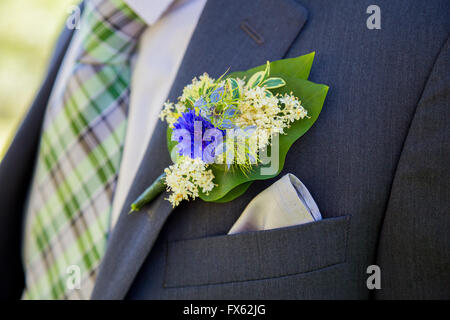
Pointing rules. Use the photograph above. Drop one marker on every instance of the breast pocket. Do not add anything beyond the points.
(257, 255)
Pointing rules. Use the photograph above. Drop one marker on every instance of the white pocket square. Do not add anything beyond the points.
(287, 202)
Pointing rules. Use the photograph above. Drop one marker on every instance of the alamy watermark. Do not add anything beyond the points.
(73, 280)
(374, 280)
(374, 20)
(73, 21)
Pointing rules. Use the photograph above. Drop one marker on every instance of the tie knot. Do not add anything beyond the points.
(109, 32)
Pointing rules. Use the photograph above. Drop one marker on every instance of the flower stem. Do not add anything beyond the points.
(157, 187)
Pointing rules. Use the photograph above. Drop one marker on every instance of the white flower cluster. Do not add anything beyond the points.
(268, 113)
(186, 177)
(193, 89)
(171, 112)
(293, 110)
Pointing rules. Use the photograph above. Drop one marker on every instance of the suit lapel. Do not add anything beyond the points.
(230, 34)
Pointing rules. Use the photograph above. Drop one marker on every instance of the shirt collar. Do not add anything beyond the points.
(149, 11)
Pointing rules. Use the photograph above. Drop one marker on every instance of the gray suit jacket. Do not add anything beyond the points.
(376, 162)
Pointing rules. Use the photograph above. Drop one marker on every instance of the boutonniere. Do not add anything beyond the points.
(224, 133)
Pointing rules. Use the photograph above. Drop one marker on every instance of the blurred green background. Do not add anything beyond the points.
(28, 31)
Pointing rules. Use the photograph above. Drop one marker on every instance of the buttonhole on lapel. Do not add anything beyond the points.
(248, 29)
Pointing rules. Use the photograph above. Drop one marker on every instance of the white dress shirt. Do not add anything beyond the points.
(160, 51)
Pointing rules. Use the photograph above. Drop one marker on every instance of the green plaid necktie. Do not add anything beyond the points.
(79, 156)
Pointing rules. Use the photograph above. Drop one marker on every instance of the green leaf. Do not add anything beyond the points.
(236, 192)
(298, 67)
(273, 83)
(266, 71)
(233, 86)
(268, 94)
(255, 79)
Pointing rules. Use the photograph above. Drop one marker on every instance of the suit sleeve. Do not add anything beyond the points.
(414, 245)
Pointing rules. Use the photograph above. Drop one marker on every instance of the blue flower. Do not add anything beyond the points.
(200, 103)
(221, 119)
(186, 147)
(216, 95)
(228, 115)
